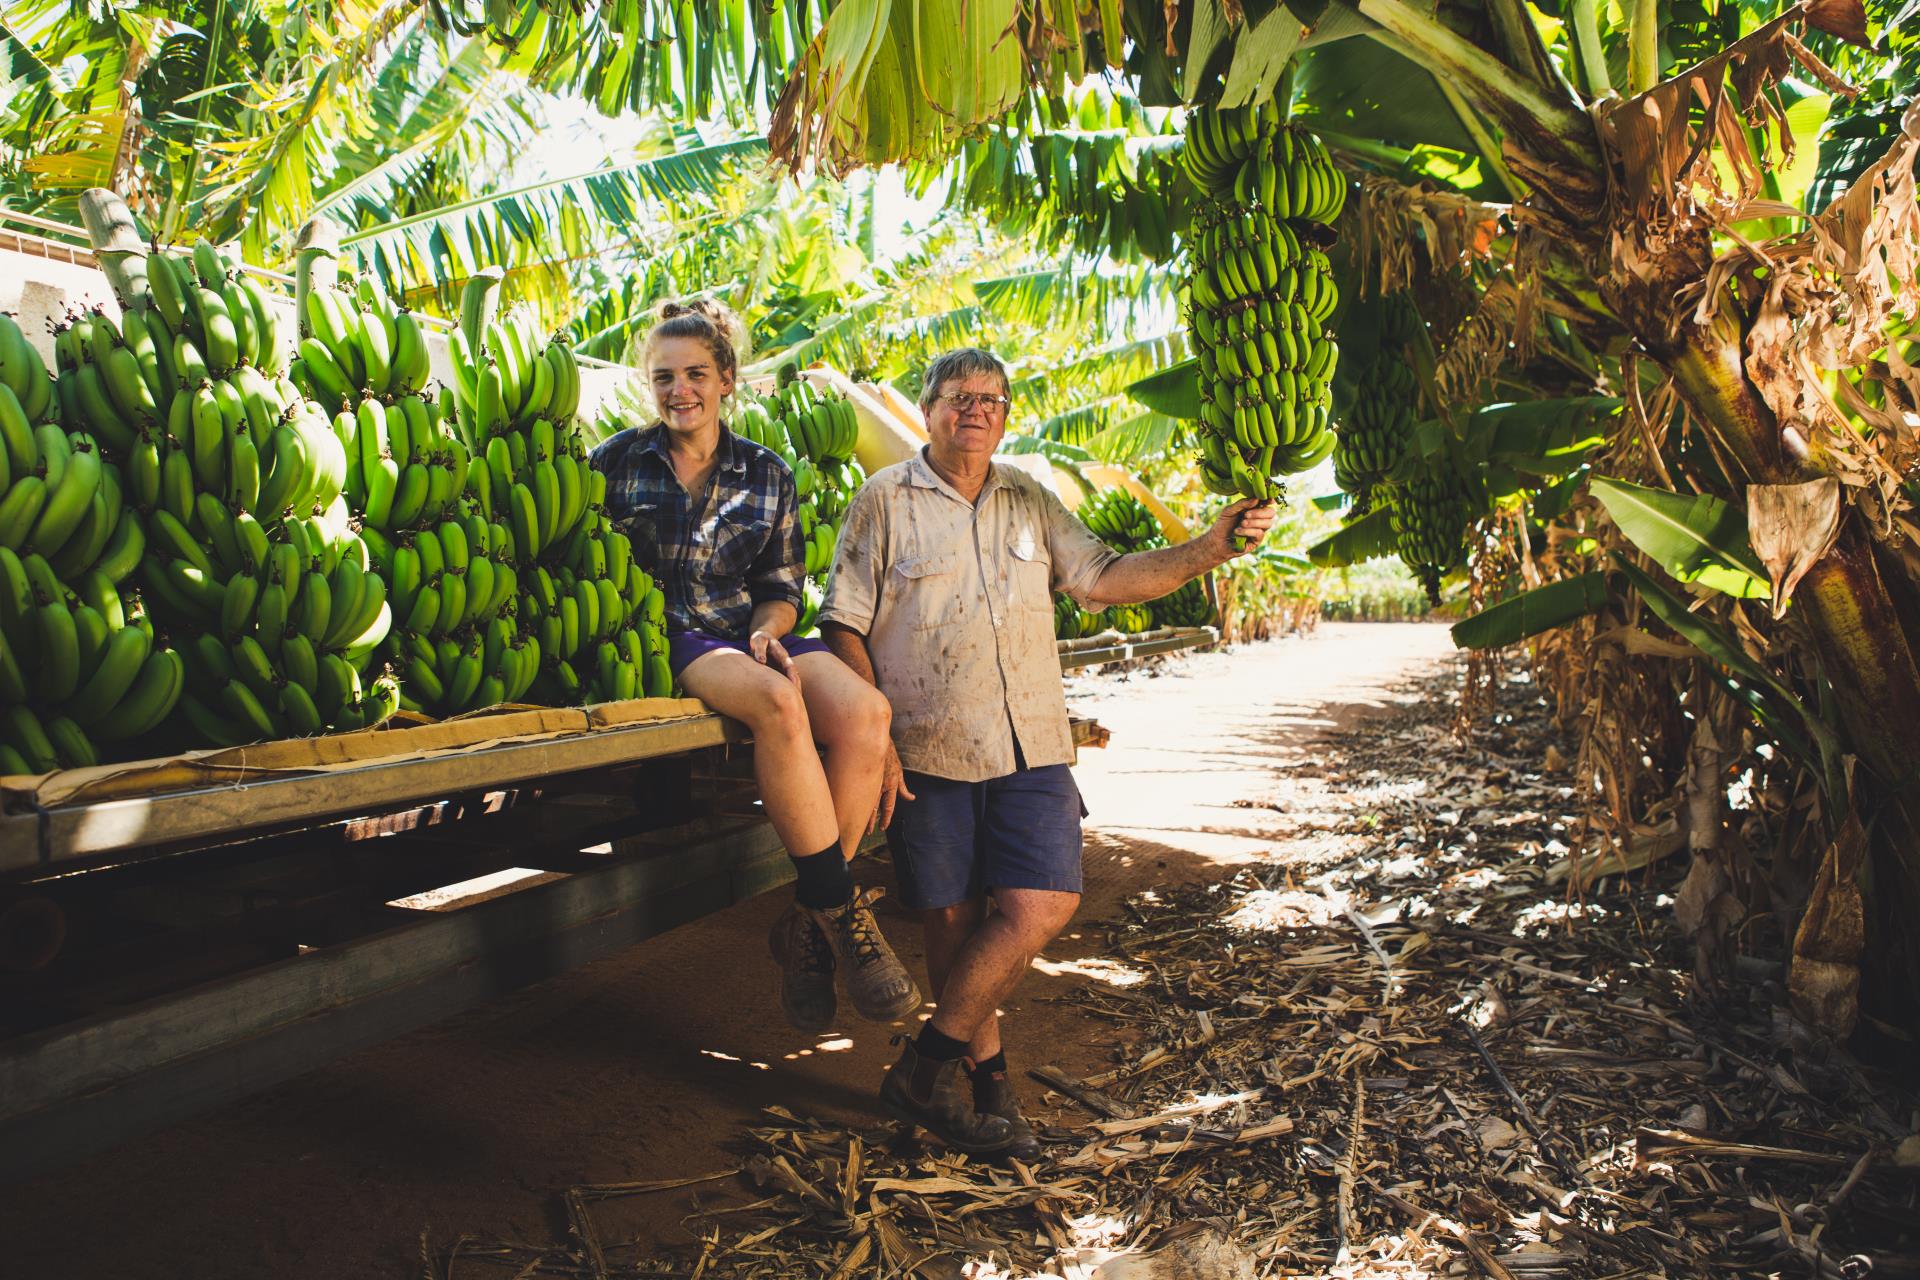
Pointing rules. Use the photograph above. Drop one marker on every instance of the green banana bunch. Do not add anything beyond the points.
(111, 386)
(1121, 520)
(1127, 619)
(1431, 511)
(25, 384)
(404, 468)
(753, 421)
(815, 435)
(1261, 294)
(479, 666)
(1292, 176)
(225, 312)
(506, 376)
(1071, 622)
(79, 666)
(282, 625)
(1377, 425)
(819, 428)
(1377, 429)
(1218, 141)
(602, 637)
(1186, 606)
(819, 549)
(812, 597)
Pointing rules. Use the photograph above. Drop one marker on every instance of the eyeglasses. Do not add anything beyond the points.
(964, 401)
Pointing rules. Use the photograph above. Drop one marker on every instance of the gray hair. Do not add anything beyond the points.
(961, 362)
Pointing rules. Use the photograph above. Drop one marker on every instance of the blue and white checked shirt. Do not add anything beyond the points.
(714, 555)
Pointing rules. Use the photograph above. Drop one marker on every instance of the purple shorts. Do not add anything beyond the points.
(684, 646)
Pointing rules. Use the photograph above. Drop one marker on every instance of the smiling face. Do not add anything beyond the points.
(687, 383)
(975, 430)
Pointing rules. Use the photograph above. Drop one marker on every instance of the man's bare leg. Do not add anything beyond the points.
(946, 931)
(992, 959)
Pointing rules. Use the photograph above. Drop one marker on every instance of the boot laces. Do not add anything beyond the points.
(815, 951)
(862, 931)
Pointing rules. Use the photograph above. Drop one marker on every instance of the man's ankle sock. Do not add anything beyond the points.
(986, 1067)
(938, 1047)
(825, 882)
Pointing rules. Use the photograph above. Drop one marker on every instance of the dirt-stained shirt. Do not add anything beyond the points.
(955, 599)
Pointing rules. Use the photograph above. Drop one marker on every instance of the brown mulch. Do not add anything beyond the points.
(1456, 1052)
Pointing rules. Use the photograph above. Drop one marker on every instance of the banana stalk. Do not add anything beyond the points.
(317, 258)
(117, 245)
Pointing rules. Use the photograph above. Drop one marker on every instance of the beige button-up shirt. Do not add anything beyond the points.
(955, 599)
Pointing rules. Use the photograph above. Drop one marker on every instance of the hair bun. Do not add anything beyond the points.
(707, 319)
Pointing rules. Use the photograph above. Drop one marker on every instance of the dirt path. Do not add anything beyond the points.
(647, 1064)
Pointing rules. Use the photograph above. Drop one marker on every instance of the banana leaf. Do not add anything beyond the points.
(1071, 295)
(1369, 536)
(1259, 56)
(1531, 612)
(1429, 438)
(1068, 456)
(1541, 437)
(481, 228)
(1174, 391)
(1100, 371)
(1553, 501)
(1362, 87)
(1291, 563)
(1208, 33)
(1696, 538)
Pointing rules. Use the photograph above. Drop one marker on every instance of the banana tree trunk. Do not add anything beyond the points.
(1847, 610)
(1855, 628)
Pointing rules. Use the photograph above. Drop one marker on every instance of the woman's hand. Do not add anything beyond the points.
(769, 652)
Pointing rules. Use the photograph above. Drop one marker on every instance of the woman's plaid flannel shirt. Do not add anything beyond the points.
(716, 555)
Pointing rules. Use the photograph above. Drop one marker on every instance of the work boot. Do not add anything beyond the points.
(877, 983)
(928, 1093)
(805, 958)
(993, 1096)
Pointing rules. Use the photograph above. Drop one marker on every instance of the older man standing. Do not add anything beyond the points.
(942, 595)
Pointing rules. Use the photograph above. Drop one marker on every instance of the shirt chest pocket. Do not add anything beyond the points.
(1029, 572)
(641, 525)
(736, 542)
(929, 590)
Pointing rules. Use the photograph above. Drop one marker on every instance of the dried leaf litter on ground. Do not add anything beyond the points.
(1405, 1046)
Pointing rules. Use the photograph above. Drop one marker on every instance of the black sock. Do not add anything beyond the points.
(938, 1047)
(987, 1066)
(825, 882)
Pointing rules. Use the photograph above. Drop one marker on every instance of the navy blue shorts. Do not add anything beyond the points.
(957, 840)
(684, 646)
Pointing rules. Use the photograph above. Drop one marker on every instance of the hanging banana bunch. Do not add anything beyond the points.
(1431, 510)
(1378, 425)
(1260, 294)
